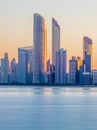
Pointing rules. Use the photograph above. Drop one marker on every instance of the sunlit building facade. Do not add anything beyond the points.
(40, 50)
(79, 62)
(87, 46)
(79, 65)
(87, 54)
(55, 39)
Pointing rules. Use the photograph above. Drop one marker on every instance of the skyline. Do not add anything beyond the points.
(17, 24)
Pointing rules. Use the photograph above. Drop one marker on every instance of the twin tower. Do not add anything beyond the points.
(40, 47)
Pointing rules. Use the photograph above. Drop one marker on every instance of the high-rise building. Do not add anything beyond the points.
(87, 46)
(87, 54)
(4, 69)
(55, 39)
(60, 67)
(72, 70)
(13, 71)
(25, 65)
(87, 63)
(40, 50)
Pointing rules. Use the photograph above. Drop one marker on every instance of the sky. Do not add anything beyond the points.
(77, 18)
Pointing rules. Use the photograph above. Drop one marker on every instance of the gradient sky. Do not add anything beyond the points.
(77, 18)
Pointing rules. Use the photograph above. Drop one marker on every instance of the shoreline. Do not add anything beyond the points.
(46, 86)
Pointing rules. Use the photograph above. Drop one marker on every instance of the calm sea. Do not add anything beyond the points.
(37, 108)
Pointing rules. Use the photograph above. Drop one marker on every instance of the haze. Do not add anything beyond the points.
(77, 18)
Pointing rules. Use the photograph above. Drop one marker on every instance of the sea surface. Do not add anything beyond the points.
(48, 108)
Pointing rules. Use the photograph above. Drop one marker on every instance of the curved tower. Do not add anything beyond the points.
(55, 39)
(87, 54)
(40, 50)
(87, 46)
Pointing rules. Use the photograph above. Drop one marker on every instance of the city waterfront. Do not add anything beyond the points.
(48, 108)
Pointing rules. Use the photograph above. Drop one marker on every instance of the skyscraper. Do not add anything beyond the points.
(25, 64)
(87, 53)
(40, 50)
(4, 69)
(87, 63)
(60, 67)
(87, 46)
(55, 39)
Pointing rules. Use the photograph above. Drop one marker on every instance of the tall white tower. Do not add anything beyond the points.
(55, 39)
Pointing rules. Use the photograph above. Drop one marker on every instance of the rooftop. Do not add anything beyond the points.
(87, 39)
(56, 23)
(26, 48)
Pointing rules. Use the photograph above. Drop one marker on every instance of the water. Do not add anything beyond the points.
(27, 108)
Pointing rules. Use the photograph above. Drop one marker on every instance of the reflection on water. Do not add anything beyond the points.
(47, 108)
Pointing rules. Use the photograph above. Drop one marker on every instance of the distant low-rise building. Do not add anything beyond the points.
(86, 78)
(0, 74)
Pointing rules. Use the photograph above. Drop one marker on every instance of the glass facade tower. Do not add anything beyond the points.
(87, 46)
(40, 50)
(87, 54)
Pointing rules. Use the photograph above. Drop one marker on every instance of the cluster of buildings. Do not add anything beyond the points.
(34, 68)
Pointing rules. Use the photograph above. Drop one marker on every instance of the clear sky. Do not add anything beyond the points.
(77, 18)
